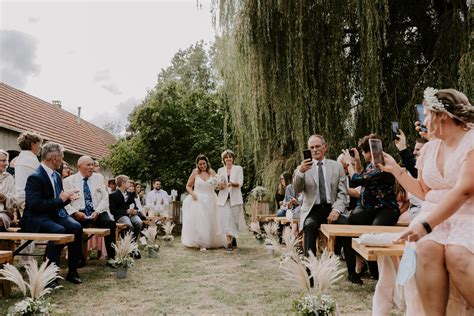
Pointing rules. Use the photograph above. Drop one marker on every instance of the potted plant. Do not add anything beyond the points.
(123, 260)
(152, 246)
(271, 242)
(168, 237)
(38, 279)
(324, 271)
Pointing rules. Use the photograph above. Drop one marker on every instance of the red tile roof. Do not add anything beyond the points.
(20, 111)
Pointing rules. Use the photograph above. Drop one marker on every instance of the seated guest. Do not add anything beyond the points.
(324, 188)
(137, 200)
(377, 204)
(90, 209)
(45, 212)
(285, 180)
(120, 203)
(409, 161)
(26, 163)
(7, 193)
(111, 186)
(157, 200)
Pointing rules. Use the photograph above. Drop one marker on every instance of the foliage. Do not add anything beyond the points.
(310, 305)
(258, 193)
(339, 68)
(181, 117)
(38, 279)
(123, 248)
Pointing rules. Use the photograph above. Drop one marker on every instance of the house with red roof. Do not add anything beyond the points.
(20, 112)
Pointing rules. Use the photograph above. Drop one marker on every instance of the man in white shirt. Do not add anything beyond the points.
(91, 209)
(157, 200)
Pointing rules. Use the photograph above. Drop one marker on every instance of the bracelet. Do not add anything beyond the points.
(426, 226)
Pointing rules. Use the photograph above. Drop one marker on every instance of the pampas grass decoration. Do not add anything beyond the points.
(38, 278)
(294, 271)
(124, 246)
(290, 240)
(270, 228)
(168, 227)
(255, 227)
(325, 271)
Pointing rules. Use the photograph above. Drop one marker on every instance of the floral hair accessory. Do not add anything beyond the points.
(432, 101)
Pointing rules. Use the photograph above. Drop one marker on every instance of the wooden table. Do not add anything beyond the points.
(331, 231)
(371, 253)
(5, 286)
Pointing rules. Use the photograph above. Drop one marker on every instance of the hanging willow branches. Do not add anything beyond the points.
(339, 68)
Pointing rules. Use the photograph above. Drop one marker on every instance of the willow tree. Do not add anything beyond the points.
(338, 68)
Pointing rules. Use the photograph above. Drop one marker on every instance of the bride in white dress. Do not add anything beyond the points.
(200, 210)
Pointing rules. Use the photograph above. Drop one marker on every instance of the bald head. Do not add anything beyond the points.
(85, 164)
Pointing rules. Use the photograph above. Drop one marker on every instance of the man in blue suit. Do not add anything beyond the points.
(45, 212)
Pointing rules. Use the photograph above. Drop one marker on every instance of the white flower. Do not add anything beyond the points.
(432, 101)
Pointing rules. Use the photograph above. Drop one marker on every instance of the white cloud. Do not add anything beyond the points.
(112, 88)
(17, 57)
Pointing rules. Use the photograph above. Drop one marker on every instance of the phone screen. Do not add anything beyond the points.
(395, 127)
(307, 154)
(421, 116)
(376, 151)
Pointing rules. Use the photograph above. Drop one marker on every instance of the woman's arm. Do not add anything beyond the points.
(462, 191)
(190, 184)
(415, 186)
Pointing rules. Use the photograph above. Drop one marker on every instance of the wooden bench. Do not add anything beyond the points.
(11, 237)
(88, 233)
(5, 286)
(371, 253)
(118, 229)
(331, 231)
(284, 220)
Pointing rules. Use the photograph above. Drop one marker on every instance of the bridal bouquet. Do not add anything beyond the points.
(215, 180)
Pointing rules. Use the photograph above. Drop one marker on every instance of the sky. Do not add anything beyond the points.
(100, 55)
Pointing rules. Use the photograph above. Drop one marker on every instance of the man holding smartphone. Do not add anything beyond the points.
(323, 184)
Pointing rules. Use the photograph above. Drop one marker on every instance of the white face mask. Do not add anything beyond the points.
(407, 267)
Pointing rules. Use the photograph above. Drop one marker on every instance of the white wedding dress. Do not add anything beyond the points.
(200, 218)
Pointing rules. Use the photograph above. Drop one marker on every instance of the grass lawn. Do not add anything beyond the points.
(187, 281)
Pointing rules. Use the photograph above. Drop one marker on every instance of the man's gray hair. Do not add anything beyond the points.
(49, 149)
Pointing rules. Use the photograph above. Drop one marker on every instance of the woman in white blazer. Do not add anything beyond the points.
(229, 200)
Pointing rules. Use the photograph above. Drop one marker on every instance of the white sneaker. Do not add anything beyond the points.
(203, 249)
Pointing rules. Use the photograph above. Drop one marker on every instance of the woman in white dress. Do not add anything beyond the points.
(229, 201)
(200, 209)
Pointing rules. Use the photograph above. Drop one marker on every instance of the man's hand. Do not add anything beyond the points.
(131, 212)
(306, 165)
(69, 195)
(81, 217)
(2, 197)
(222, 186)
(333, 217)
(401, 142)
(94, 215)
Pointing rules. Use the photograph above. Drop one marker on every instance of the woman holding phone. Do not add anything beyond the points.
(444, 228)
(377, 204)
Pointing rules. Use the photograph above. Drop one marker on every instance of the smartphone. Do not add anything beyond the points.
(376, 151)
(307, 154)
(421, 117)
(395, 128)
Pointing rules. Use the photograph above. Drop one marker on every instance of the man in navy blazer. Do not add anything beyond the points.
(45, 212)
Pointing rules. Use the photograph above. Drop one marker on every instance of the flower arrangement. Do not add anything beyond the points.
(258, 193)
(215, 180)
(168, 228)
(324, 271)
(291, 241)
(151, 234)
(323, 305)
(35, 304)
(123, 248)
